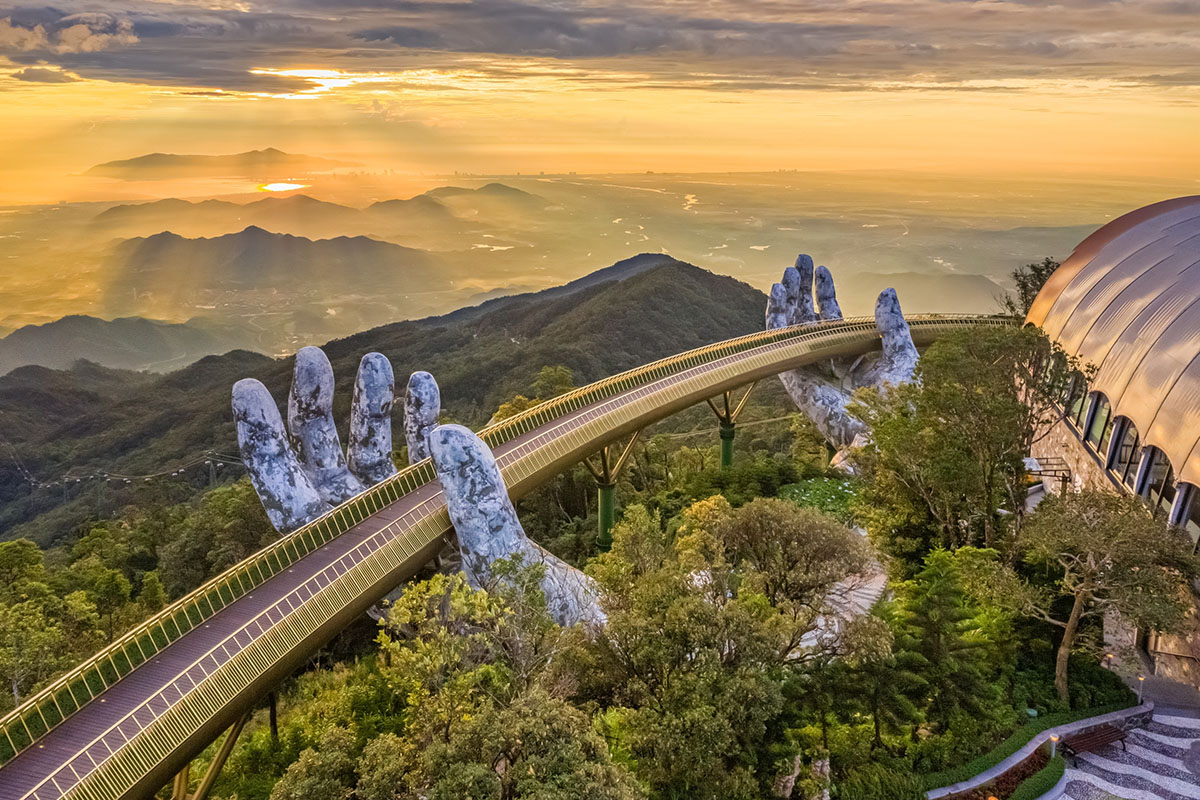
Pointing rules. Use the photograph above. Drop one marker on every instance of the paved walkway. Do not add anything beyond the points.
(1159, 762)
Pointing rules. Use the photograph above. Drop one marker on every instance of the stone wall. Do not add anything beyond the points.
(1061, 442)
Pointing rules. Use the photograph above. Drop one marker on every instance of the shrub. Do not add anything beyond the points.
(1040, 782)
(1011, 745)
(876, 782)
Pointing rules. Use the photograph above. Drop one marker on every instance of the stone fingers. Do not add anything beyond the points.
(313, 433)
(287, 494)
(422, 406)
(777, 308)
(802, 312)
(900, 356)
(827, 303)
(370, 450)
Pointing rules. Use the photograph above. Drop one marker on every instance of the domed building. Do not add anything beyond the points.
(1127, 302)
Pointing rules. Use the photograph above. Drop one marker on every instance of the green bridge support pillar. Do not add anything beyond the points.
(606, 474)
(607, 511)
(727, 431)
(727, 414)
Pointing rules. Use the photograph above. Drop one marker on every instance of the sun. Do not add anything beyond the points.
(282, 187)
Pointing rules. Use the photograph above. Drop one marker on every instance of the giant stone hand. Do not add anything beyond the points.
(300, 474)
(823, 391)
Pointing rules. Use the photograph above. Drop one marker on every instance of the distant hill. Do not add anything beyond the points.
(252, 164)
(619, 271)
(167, 265)
(498, 190)
(920, 292)
(132, 423)
(297, 214)
(124, 343)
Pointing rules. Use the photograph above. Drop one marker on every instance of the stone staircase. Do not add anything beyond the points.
(1160, 762)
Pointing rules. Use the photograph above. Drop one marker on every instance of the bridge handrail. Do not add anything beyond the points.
(31, 720)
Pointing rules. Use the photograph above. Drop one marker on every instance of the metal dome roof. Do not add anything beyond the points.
(1126, 301)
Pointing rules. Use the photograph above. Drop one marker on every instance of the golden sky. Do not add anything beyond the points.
(501, 86)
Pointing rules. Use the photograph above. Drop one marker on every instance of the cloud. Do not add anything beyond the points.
(44, 75)
(694, 44)
(72, 33)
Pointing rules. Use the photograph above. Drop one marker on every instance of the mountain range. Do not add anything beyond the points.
(91, 419)
(297, 214)
(130, 343)
(251, 164)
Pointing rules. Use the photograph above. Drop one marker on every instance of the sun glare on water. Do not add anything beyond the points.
(281, 187)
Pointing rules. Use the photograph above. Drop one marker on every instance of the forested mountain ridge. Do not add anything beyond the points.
(130, 423)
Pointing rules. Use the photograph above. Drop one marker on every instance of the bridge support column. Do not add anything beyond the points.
(180, 789)
(727, 414)
(606, 474)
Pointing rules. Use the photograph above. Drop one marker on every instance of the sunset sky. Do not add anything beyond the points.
(500, 86)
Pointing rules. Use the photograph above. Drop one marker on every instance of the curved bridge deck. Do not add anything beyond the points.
(142, 719)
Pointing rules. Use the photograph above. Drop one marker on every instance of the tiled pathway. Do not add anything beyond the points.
(1154, 765)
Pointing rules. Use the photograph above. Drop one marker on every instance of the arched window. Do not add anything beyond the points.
(1076, 405)
(1100, 428)
(1159, 488)
(1187, 516)
(1127, 454)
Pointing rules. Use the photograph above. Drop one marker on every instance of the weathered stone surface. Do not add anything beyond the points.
(801, 312)
(827, 295)
(314, 435)
(422, 405)
(488, 528)
(282, 485)
(899, 358)
(777, 307)
(825, 404)
(370, 457)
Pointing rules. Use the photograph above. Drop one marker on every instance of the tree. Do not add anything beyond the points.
(948, 449)
(152, 597)
(1109, 555)
(553, 381)
(32, 647)
(805, 563)
(225, 527)
(688, 659)
(886, 681)
(107, 588)
(20, 562)
(324, 772)
(538, 747)
(1029, 280)
(480, 673)
(938, 621)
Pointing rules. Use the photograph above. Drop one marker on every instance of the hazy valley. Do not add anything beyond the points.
(271, 272)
